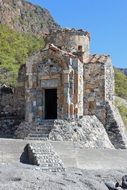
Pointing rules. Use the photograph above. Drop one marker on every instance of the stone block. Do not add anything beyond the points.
(91, 105)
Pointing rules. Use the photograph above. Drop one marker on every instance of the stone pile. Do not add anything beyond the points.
(87, 130)
(43, 155)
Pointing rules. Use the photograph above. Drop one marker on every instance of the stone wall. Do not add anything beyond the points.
(98, 86)
(71, 40)
(94, 90)
(12, 111)
(109, 81)
(12, 104)
(115, 127)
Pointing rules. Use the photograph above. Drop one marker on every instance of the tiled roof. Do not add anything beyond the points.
(97, 58)
(55, 48)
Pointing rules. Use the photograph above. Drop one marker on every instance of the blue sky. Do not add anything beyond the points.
(106, 20)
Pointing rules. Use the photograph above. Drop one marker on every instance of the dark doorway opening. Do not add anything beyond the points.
(50, 103)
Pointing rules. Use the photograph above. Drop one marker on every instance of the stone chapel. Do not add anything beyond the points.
(64, 81)
(64, 93)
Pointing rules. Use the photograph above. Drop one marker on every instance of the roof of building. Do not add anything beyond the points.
(97, 58)
(58, 50)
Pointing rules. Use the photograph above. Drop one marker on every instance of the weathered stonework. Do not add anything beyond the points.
(83, 82)
(12, 109)
(98, 85)
(44, 155)
(54, 69)
(64, 82)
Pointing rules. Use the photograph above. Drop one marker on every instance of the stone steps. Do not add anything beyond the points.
(38, 135)
(41, 131)
(43, 155)
(36, 139)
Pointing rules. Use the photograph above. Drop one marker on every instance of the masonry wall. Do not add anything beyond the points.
(12, 107)
(12, 111)
(94, 90)
(70, 40)
(109, 81)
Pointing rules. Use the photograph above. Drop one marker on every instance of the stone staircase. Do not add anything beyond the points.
(43, 155)
(40, 131)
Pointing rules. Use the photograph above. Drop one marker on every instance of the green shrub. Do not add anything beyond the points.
(120, 84)
(15, 48)
(122, 107)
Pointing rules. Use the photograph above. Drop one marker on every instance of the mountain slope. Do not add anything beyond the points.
(22, 27)
(23, 16)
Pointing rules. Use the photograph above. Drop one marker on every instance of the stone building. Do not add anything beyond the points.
(65, 82)
(65, 93)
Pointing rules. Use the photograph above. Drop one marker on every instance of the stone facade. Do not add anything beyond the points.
(98, 85)
(58, 69)
(83, 82)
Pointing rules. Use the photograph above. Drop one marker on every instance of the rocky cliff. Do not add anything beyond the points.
(25, 17)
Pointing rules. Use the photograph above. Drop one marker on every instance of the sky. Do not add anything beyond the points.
(105, 20)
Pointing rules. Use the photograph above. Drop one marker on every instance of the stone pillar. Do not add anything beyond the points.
(40, 104)
(66, 94)
(72, 94)
(59, 102)
(78, 92)
(31, 104)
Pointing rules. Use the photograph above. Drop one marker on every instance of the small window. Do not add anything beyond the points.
(59, 47)
(79, 48)
(92, 105)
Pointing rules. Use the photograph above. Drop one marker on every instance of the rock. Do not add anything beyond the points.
(91, 132)
(25, 17)
(111, 185)
(124, 182)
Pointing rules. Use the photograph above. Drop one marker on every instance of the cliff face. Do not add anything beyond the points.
(23, 16)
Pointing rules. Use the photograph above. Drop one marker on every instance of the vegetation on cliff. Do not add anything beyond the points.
(15, 47)
(121, 91)
(121, 104)
(120, 84)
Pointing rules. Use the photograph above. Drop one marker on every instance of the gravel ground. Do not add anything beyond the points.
(27, 177)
